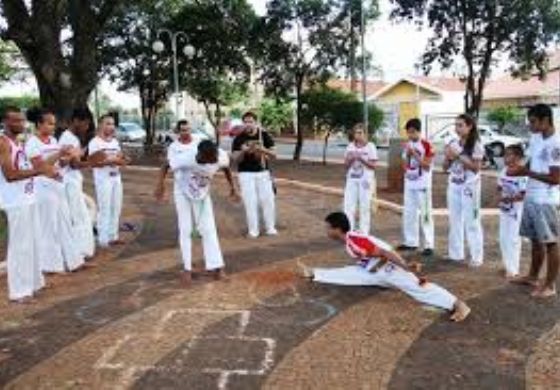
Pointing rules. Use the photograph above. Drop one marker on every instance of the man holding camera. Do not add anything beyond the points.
(252, 151)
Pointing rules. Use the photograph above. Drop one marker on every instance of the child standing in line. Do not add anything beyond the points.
(360, 160)
(512, 193)
(417, 157)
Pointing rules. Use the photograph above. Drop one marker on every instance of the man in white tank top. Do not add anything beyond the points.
(17, 199)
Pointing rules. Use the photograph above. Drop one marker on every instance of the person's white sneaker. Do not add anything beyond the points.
(272, 232)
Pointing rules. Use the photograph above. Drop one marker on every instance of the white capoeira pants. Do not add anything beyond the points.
(23, 264)
(200, 215)
(463, 203)
(510, 240)
(257, 192)
(109, 193)
(357, 196)
(58, 247)
(80, 217)
(417, 216)
(388, 276)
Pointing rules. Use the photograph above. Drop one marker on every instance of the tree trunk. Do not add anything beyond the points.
(218, 123)
(299, 140)
(325, 146)
(353, 78)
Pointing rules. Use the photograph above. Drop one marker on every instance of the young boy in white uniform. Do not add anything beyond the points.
(17, 198)
(194, 168)
(512, 192)
(73, 182)
(417, 157)
(360, 160)
(107, 179)
(379, 265)
(463, 160)
(59, 251)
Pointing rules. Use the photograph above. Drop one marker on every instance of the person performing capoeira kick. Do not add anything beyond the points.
(194, 164)
(106, 158)
(379, 265)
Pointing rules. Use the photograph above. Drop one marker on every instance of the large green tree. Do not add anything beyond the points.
(300, 42)
(59, 41)
(477, 33)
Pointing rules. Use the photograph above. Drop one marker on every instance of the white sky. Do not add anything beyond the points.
(395, 48)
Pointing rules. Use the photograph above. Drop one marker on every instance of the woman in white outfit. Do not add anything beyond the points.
(59, 251)
(360, 160)
(463, 160)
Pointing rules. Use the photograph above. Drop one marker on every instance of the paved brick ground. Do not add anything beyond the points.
(129, 324)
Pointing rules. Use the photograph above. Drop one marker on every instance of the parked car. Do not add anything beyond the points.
(490, 138)
(130, 132)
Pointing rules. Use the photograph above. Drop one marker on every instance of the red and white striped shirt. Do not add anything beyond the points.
(363, 247)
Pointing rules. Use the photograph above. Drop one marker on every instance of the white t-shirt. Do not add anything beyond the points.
(111, 148)
(35, 147)
(544, 153)
(357, 170)
(19, 192)
(415, 176)
(192, 178)
(457, 172)
(70, 139)
(511, 186)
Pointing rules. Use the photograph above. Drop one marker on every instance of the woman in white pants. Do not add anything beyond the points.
(73, 183)
(463, 159)
(379, 265)
(17, 197)
(252, 150)
(59, 251)
(360, 160)
(106, 158)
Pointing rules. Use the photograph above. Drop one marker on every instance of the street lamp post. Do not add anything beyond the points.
(158, 46)
(364, 66)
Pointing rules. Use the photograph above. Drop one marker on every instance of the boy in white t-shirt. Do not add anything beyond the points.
(512, 192)
(360, 159)
(194, 165)
(73, 182)
(540, 222)
(106, 158)
(417, 163)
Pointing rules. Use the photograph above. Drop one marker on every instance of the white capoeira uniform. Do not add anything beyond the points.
(193, 202)
(358, 247)
(59, 251)
(510, 220)
(463, 202)
(18, 201)
(108, 190)
(79, 213)
(418, 196)
(358, 190)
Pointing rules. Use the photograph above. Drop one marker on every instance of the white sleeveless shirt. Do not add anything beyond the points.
(21, 192)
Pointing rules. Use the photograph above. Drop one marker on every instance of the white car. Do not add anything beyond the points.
(490, 138)
(130, 132)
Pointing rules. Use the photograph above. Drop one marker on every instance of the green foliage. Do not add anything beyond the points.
(503, 116)
(336, 110)
(482, 31)
(23, 102)
(276, 115)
